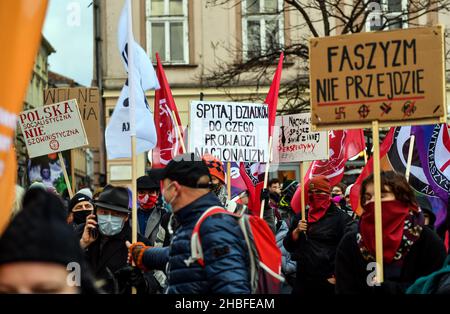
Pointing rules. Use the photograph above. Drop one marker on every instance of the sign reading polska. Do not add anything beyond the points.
(53, 128)
(296, 141)
(230, 131)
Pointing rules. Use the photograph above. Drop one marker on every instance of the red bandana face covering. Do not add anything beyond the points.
(318, 206)
(147, 201)
(394, 214)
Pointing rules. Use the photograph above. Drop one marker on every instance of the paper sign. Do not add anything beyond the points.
(230, 131)
(53, 128)
(296, 141)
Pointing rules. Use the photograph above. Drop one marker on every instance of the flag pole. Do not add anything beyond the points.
(266, 176)
(229, 180)
(377, 190)
(132, 112)
(66, 176)
(134, 189)
(410, 155)
(302, 186)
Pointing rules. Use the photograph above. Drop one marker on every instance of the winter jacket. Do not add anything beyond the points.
(224, 248)
(288, 266)
(353, 272)
(107, 255)
(152, 225)
(315, 251)
(436, 283)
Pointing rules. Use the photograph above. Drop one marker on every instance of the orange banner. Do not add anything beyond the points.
(20, 35)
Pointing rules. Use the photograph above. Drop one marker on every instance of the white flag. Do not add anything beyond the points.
(141, 77)
(142, 62)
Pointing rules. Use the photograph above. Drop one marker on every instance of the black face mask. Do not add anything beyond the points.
(79, 217)
(334, 194)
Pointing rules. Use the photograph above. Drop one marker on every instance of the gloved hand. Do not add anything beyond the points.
(136, 253)
(265, 195)
(128, 277)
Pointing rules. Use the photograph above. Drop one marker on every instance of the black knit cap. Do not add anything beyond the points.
(77, 198)
(39, 233)
(149, 182)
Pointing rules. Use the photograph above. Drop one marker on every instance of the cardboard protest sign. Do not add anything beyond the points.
(53, 128)
(389, 76)
(296, 140)
(230, 131)
(88, 103)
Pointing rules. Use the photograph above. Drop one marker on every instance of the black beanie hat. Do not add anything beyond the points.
(39, 233)
(77, 198)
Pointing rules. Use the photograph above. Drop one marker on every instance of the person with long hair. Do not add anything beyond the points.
(410, 251)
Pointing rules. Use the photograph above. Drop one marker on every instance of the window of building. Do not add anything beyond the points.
(167, 30)
(262, 26)
(391, 13)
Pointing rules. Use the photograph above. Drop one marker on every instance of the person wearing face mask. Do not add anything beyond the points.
(103, 239)
(313, 242)
(218, 186)
(186, 192)
(80, 206)
(410, 250)
(339, 198)
(149, 214)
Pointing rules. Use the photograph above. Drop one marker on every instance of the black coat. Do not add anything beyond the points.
(107, 255)
(426, 256)
(315, 251)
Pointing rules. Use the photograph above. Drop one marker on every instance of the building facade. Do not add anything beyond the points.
(33, 99)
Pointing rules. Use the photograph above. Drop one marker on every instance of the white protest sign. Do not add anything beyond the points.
(296, 141)
(52, 128)
(230, 131)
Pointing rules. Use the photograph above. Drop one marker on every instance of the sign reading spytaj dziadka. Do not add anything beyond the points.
(230, 131)
(394, 77)
(296, 140)
(53, 128)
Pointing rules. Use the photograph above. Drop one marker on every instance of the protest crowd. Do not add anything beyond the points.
(326, 252)
(184, 228)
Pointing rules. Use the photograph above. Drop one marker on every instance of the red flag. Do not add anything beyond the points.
(344, 144)
(253, 173)
(253, 176)
(368, 170)
(168, 145)
(272, 96)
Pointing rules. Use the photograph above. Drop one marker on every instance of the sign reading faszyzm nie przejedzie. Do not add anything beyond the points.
(393, 77)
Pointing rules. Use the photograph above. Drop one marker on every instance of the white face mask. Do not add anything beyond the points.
(110, 225)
